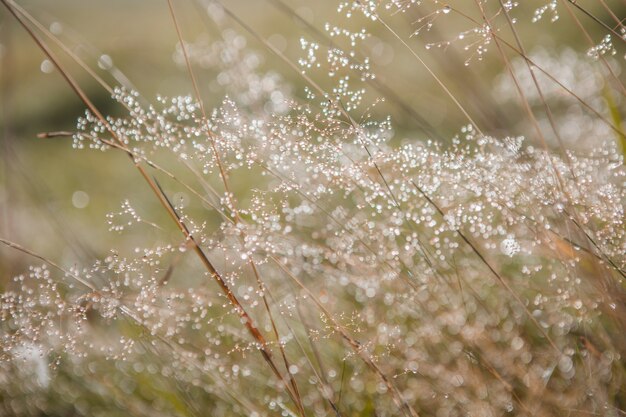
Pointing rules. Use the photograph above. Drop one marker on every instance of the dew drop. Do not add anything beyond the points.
(565, 364)
(105, 62)
(80, 199)
(510, 246)
(46, 66)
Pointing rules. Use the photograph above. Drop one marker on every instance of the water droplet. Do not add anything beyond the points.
(80, 199)
(565, 364)
(47, 66)
(510, 246)
(56, 28)
(105, 62)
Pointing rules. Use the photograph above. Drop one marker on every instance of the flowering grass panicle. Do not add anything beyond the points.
(304, 254)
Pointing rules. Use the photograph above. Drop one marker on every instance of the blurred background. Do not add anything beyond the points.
(54, 199)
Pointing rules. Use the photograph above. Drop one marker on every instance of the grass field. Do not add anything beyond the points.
(350, 209)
